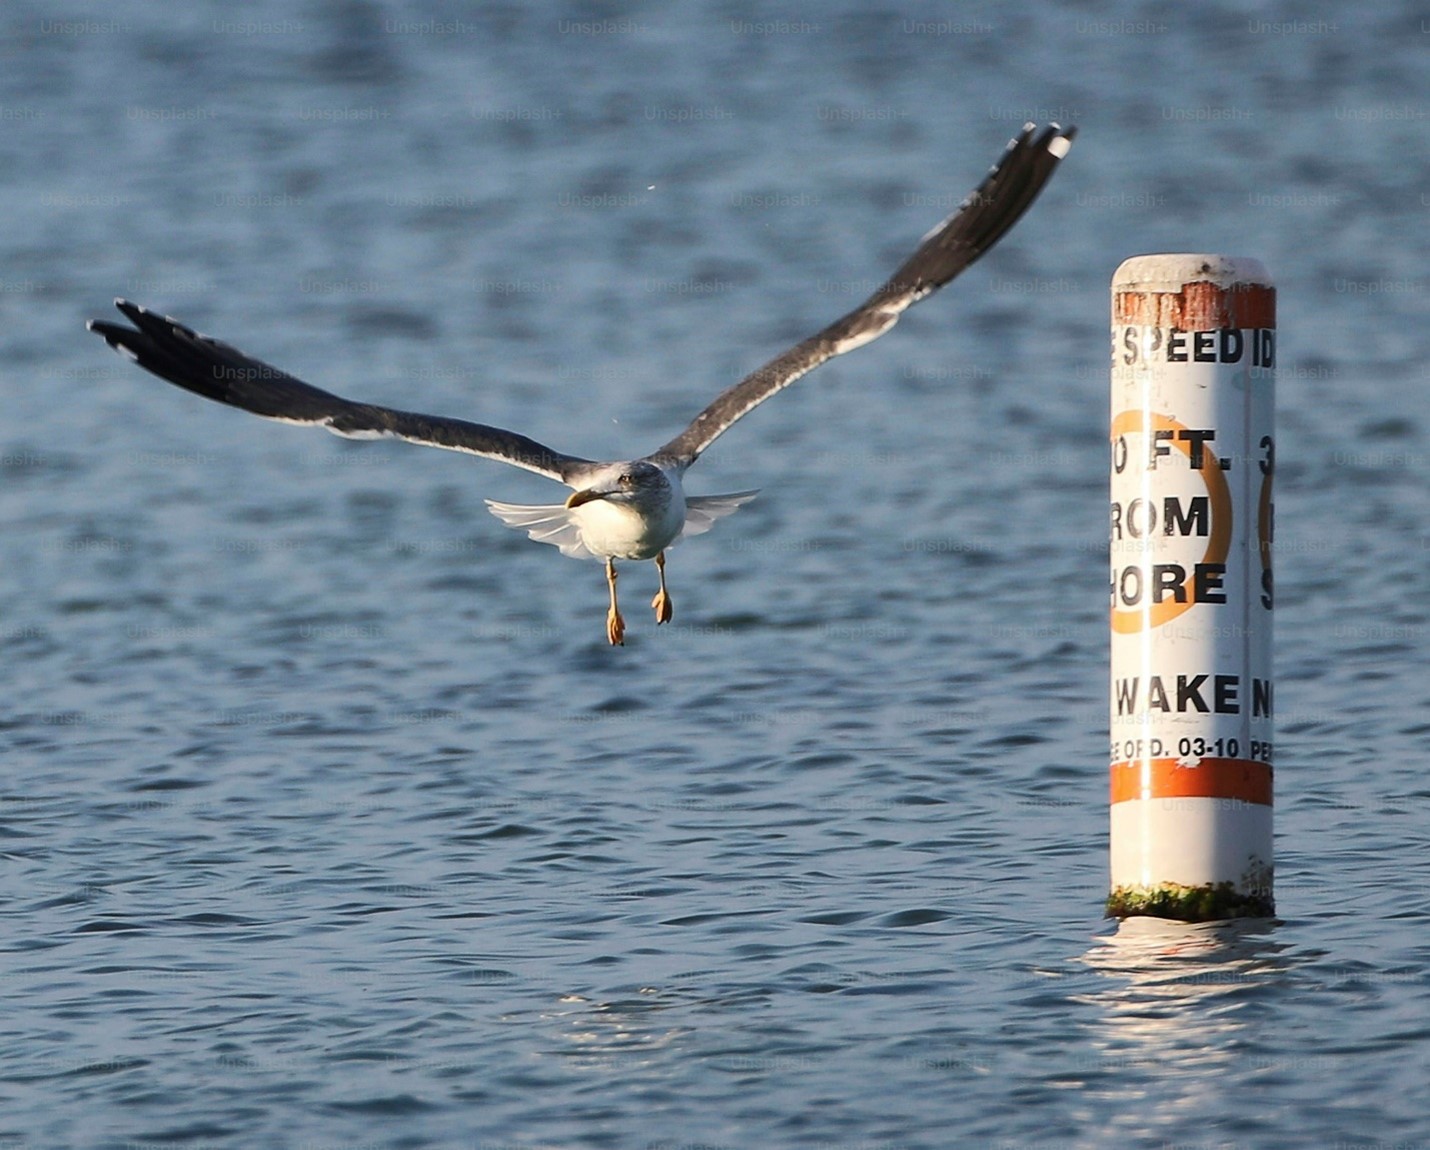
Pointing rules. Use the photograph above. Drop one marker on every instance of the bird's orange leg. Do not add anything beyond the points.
(615, 625)
(664, 611)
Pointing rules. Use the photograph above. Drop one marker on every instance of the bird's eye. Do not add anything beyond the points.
(627, 479)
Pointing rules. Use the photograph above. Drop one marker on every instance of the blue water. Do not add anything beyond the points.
(332, 821)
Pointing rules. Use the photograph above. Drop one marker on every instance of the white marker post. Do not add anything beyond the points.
(1193, 407)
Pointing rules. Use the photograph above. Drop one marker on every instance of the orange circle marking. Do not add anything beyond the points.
(1129, 422)
(1264, 523)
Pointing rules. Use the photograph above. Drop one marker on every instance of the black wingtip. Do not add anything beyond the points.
(146, 320)
(110, 331)
(986, 214)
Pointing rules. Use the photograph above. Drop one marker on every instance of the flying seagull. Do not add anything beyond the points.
(626, 509)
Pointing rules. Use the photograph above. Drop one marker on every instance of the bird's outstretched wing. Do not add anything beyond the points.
(220, 372)
(977, 224)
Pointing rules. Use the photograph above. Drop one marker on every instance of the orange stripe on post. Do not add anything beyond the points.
(1198, 306)
(1209, 779)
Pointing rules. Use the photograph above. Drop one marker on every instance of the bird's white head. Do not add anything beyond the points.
(639, 484)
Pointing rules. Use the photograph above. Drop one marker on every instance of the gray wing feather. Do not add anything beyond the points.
(224, 374)
(975, 226)
(701, 511)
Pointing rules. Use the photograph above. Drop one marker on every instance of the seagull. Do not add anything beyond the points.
(630, 509)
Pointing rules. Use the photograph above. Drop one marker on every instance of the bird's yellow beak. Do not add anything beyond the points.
(576, 498)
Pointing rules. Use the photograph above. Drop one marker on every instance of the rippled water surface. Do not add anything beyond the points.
(331, 819)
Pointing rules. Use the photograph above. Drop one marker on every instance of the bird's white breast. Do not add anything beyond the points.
(626, 531)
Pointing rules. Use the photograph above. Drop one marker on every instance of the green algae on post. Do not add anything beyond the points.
(1209, 902)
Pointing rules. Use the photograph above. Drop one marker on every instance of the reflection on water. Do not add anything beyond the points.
(1177, 1011)
(610, 1035)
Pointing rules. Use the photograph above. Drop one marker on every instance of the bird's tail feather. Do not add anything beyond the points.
(555, 524)
(701, 511)
(551, 523)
